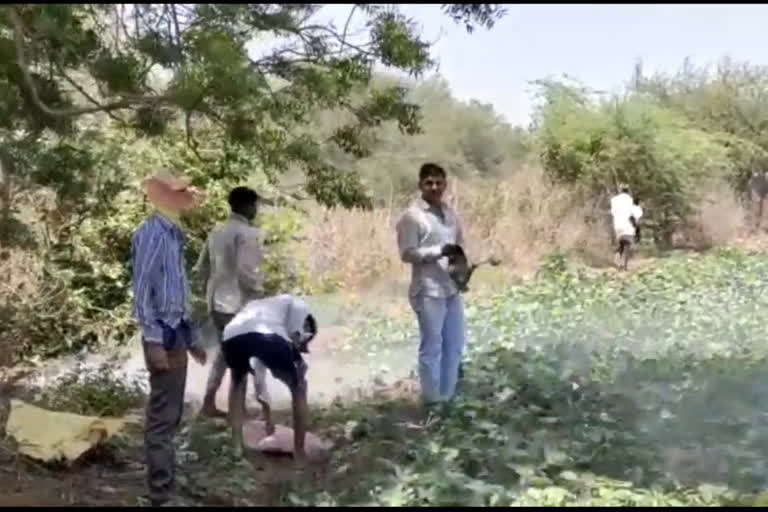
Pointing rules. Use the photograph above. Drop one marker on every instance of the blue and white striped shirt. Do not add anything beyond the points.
(160, 287)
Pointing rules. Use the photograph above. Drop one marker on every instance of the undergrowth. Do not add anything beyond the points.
(606, 390)
(100, 391)
(591, 389)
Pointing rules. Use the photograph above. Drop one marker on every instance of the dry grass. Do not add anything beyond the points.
(21, 272)
(519, 219)
(20, 277)
(720, 220)
(351, 246)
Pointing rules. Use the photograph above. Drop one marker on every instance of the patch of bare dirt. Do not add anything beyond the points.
(27, 484)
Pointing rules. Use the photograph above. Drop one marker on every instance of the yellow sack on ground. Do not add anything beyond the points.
(49, 435)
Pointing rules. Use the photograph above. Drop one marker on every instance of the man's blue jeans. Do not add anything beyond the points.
(442, 328)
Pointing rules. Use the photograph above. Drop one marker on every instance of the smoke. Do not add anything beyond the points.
(340, 362)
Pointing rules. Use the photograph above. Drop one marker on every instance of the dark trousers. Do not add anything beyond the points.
(163, 415)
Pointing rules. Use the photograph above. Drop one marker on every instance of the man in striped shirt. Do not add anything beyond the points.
(161, 297)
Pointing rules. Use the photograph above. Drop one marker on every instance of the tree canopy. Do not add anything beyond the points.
(95, 97)
(248, 75)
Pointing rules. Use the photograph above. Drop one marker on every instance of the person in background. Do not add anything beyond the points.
(626, 215)
(161, 298)
(228, 268)
(427, 234)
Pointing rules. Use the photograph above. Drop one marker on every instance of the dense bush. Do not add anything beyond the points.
(599, 143)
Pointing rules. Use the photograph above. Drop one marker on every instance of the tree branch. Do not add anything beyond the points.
(18, 35)
(175, 16)
(346, 25)
(335, 35)
(85, 94)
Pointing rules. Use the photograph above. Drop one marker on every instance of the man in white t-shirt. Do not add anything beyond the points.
(275, 332)
(626, 215)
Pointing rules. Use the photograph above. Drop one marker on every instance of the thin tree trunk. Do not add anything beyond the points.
(6, 208)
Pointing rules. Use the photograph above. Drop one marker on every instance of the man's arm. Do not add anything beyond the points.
(300, 419)
(148, 252)
(408, 242)
(249, 255)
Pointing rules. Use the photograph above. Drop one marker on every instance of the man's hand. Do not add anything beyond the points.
(157, 358)
(198, 354)
(450, 250)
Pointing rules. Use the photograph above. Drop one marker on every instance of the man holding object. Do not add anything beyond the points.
(427, 234)
(271, 333)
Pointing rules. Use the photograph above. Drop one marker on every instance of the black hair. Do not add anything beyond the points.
(241, 197)
(429, 170)
(311, 324)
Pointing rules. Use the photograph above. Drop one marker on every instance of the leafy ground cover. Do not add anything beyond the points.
(646, 389)
(581, 388)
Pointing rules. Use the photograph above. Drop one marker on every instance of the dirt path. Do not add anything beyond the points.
(333, 371)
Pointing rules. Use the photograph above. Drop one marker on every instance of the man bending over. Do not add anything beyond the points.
(275, 331)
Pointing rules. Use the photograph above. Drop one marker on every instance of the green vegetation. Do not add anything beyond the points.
(99, 391)
(669, 137)
(106, 95)
(583, 390)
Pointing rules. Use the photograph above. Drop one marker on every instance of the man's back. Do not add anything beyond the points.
(234, 254)
(622, 208)
(159, 281)
(281, 315)
(621, 204)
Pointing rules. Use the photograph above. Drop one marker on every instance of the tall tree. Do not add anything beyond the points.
(249, 74)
